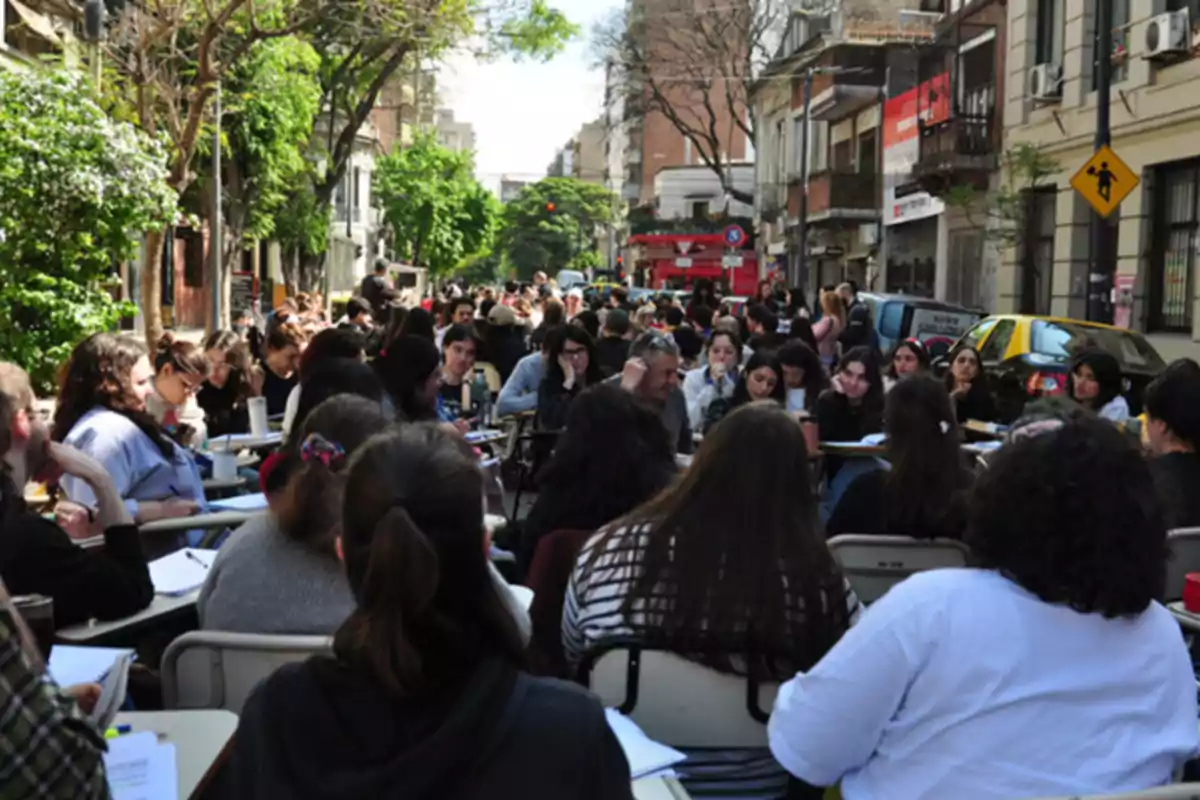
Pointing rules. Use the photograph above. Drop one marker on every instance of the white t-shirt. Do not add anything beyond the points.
(960, 684)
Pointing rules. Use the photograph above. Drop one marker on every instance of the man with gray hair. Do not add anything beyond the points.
(652, 373)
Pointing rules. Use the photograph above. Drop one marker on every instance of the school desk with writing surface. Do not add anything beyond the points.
(162, 609)
(1187, 620)
(199, 738)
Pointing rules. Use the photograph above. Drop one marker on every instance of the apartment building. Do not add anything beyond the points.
(1155, 128)
(34, 29)
(454, 134)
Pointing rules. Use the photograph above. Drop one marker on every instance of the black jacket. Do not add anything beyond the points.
(37, 557)
(858, 326)
(838, 421)
(505, 347)
(1177, 479)
(978, 403)
(612, 352)
(319, 730)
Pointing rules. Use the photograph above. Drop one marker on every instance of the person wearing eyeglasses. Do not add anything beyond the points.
(571, 367)
(180, 369)
(652, 373)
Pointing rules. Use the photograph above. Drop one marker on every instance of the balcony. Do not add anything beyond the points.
(836, 96)
(960, 150)
(841, 196)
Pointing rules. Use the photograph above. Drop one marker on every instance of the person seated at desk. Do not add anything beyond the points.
(652, 373)
(909, 357)
(454, 402)
(519, 395)
(968, 386)
(924, 493)
(102, 412)
(803, 376)
(425, 694)
(505, 341)
(279, 572)
(39, 557)
(229, 385)
(571, 367)
(612, 351)
(1047, 669)
(329, 344)
(411, 377)
(1094, 381)
(1172, 403)
(708, 390)
(682, 573)
(50, 750)
(761, 380)
(180, 369)
(278, 373)
(853, 406)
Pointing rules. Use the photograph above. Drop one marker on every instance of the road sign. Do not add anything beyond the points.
(1104, 181)
(683, 246)
(734, 236)
(732, 262)
(683, 263)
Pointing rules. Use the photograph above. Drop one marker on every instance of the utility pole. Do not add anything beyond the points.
(216, 237)
(1100, 277)
(801, 276)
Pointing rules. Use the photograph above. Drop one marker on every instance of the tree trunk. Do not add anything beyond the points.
(152, 288)
(290, 266)
(311, 268)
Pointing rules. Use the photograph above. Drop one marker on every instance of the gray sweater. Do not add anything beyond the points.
(262, 582)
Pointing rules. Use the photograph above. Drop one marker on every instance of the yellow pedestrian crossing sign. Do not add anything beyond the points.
(1104, 181)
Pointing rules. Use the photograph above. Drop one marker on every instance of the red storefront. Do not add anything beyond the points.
(677, 260)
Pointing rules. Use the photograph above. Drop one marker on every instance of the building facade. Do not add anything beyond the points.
(452, 134)
(1155, 129)
(695, 192)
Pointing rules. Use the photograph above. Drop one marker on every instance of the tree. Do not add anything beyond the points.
(365, 44)
(301, 226)
(693, 63)
(439, 215)
(552, 223)
(76, 188)
(1003, 214)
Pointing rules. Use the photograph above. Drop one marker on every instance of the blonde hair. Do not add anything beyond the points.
(833, 305)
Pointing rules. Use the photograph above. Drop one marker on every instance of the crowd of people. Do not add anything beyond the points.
(680, 497)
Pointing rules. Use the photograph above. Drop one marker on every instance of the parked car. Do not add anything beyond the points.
(570, 278)
(1026, 357)
(936, 324)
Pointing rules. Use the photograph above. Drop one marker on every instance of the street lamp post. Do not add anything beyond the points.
(217, 244)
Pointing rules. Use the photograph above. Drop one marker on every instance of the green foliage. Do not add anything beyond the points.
(76, 190)
(534, 237)
(540, 32)
(302, 223)
(1002, 214)
(439, 215)
(272, 99)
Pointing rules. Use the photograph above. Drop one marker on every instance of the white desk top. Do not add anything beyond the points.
(161, 606)
(198, 736)
(1187, 620)
(215, 520)
(659, 789)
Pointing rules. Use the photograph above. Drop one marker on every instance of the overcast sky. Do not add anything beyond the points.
(524, 112)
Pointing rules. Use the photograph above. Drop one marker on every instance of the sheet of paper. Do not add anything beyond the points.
(182, 571)
(244, 502)
(471, 437)
(795, 399)
(71, 664)
(140, 768)
(645, 756)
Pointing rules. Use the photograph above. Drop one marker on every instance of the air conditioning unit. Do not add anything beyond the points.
(1168, 34)
(1045, 82)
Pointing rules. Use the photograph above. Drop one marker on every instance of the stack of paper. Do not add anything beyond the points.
(140, 768)
(645, 756)
(181, 572)
(245, 502)
(70, 664)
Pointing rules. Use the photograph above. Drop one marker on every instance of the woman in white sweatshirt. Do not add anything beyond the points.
(713, 383)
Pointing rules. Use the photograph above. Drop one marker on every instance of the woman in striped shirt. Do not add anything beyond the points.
(730, 562)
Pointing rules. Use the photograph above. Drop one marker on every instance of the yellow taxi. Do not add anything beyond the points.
(1027, 356)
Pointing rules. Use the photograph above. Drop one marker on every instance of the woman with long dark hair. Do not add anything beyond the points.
(968, 386)
(1095, 383)
(708, 390)
(728, 568)
(228, 386)
(180, 369)
(1095, 692)
(803, 376)
(853, 407)
(924, 494)
(571, 367)
(410, 375)
(280, 368)
(425, 694)
(908, 357)
(761, 379)
(102, 412)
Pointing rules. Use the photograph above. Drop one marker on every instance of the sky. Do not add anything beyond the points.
(524, 112)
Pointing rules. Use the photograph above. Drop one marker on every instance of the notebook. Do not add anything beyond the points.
(243, 502)
(181, 572)
(645, 756)
(71, 664)
(139, 767)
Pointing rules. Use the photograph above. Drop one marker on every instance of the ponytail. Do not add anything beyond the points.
(399, 582)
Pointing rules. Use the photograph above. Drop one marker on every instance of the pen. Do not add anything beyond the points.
(193, 557)
(174, 491)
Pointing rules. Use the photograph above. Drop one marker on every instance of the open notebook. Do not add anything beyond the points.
(181, 572)
(139, 767)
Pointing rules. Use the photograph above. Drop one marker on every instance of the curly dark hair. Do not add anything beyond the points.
(1071, 515)
(98, 375)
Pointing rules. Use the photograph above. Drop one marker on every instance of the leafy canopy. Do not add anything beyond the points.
(552, 224)
(439, 215)
(76, 190)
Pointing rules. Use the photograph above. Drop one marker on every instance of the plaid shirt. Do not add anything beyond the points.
(47, 750)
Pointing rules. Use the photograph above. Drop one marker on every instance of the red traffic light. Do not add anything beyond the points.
(550, 207)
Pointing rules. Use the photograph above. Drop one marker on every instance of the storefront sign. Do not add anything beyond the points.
(901, 148)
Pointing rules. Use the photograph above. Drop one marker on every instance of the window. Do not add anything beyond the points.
(339, 201)
(818, 151)
(868, 158)
(355, 197)
(1037, 263)
(1048, 46)
(1172, 262)
(993, 349)
(843, 156)
(193, 256)
(1120, 42)
(699, 210)
(976, 334)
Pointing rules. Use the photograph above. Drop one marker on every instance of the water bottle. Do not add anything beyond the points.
(481, 398)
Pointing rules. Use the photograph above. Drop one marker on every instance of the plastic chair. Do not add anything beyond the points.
(1176, 791)
(1184, 546)
(874, 564)
(219, 669)
(677, 701)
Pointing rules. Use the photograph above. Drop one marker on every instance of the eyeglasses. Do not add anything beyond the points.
(573, 353)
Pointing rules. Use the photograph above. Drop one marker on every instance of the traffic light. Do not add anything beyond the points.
(550, 208)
